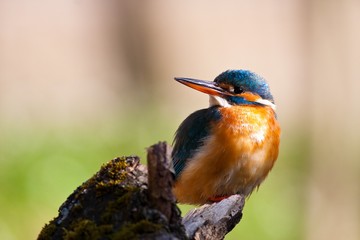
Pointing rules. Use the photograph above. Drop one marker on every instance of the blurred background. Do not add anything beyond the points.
(82, 82)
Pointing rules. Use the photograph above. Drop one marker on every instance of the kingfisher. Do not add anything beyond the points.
(231, 146)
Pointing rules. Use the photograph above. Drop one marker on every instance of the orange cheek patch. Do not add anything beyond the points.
(249, 96)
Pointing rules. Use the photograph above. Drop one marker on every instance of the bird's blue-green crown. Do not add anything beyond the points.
(246, 81)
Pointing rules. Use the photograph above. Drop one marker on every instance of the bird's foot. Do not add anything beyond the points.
(217, 198)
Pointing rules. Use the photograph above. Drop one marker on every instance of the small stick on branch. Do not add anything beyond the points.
(161, 179)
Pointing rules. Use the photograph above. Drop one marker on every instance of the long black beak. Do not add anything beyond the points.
(207, 87)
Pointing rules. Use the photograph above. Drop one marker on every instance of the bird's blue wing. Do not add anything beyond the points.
(191, 134)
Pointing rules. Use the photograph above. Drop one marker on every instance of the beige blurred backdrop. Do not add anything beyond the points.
(86, 63)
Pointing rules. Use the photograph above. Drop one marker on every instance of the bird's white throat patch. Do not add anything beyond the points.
(267, 103)
(218, 101)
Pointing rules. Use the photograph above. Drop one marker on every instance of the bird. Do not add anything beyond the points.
(231, 146)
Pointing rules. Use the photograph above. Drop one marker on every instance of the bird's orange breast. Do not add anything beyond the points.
(237, 156)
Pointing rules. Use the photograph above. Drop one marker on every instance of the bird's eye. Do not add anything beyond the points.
(236, 90)
(231, 88)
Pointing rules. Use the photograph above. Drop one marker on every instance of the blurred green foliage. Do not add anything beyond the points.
(41, 165)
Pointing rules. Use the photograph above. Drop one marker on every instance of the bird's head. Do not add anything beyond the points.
(234, 87)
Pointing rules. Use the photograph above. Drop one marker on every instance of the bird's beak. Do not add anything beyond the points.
(207, 87)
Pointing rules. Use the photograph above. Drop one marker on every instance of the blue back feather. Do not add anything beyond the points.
(191, 134)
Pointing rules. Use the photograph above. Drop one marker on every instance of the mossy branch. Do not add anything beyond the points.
(125, 200)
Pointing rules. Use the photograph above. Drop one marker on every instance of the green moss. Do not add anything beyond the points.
(104, 206)
(114, 167)
(132, 231)
(126, 195)
(112, 173)
(86, 229)
(119, 204)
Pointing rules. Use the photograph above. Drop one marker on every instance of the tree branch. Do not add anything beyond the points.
(123, 201)
(214, 221)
